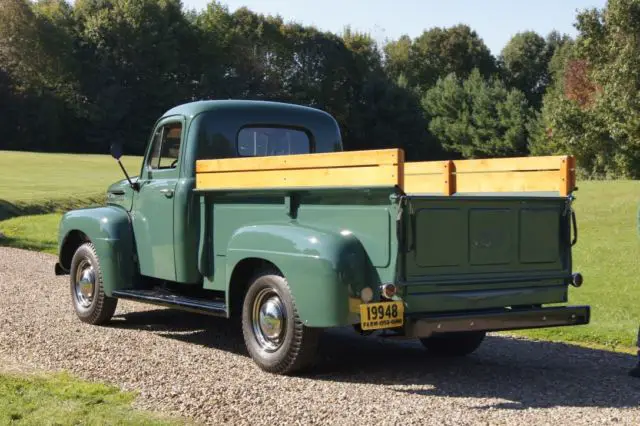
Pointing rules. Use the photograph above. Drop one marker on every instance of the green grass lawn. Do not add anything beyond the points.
(607, 253)
(41, 183)
(60, 399)
(37, 232)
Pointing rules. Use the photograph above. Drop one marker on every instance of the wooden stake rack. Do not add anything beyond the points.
(387, 168)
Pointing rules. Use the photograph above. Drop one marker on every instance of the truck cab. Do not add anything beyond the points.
(252, 210)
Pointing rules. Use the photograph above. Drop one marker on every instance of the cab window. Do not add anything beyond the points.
(268, 141)
(166, 146)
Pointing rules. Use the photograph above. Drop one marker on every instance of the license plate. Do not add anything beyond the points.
(374, 316)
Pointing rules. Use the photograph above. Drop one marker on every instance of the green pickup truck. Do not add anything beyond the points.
(251, 210)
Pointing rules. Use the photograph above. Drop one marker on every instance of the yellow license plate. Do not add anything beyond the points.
(374, 316)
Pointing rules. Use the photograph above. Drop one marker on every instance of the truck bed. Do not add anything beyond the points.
(454, 235)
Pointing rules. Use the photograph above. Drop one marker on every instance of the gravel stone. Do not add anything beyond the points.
(197, 366)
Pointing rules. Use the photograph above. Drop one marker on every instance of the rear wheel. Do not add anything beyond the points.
(454, 344)
(90, 302)
(273, 333)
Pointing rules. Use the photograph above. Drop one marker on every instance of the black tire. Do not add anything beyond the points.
(295, 347)
(454, 344)
(92, 306)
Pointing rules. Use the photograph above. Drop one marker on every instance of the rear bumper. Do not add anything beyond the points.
(425, 326)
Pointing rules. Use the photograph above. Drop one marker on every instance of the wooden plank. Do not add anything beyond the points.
(568, 175)
(400, 169)
(387, 168)
(306, 178)
(488, 165)
(424, 167)
(565, 177)
(302, 161)
(545, 173)
(572, 170)
(447, 176)
(509, 164)
(422, 184)
(508, 182)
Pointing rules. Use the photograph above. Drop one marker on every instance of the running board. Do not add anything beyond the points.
(163, 298)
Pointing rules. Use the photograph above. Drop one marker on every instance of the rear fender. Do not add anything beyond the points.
(109, 229)
(323, 269)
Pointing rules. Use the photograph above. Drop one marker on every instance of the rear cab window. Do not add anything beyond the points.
(270, 141)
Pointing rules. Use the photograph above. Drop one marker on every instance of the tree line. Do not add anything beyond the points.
(77, 77)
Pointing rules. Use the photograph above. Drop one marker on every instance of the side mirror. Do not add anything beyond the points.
(116, 150)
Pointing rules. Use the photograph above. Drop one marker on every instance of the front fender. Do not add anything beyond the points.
(109, 229)
(323, 269)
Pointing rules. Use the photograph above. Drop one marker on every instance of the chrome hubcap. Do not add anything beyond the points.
(269, 319)
(85, 284)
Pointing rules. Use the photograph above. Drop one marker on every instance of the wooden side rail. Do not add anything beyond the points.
(520, 174)
(324, 170)
(386, 168)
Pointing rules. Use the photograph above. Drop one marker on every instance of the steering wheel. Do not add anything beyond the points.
(173, 164)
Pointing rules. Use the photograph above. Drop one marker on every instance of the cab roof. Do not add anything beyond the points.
(191, 109)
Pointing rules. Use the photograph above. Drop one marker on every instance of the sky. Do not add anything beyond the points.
(495, 21)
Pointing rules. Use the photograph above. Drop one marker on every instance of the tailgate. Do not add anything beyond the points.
(486, 251)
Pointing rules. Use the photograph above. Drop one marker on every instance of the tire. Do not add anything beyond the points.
(90, 302)
(454, 344)
(281, 347)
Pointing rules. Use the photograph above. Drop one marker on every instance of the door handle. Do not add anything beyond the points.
(167, 192)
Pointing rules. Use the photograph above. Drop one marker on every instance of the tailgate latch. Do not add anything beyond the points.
(574, 223)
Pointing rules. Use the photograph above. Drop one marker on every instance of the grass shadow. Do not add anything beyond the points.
(10, 209)
(28, 244)
(520, 374)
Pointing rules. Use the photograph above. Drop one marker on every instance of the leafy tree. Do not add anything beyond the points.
(438, 52)
(526, 62)
(397, 54)
(478, 118)
(136, 58)
(36, 58)
(562, 54)
(596, 114)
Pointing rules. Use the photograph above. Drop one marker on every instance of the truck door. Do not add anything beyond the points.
(153, 208)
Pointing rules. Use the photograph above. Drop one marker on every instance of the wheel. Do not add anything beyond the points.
(273, 333)
(454, 344)
(90, 302)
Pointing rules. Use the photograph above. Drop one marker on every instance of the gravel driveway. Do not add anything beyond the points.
(197, 366)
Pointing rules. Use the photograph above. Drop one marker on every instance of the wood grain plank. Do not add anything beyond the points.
(422, 184)
(302, 161)
(424, 167)
(308, 178)
(509, 182)
(448, 178)
(509, 164)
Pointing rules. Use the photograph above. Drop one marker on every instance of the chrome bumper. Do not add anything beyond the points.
(426, 325)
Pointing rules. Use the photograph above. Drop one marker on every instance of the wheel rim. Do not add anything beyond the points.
(269, 319)
(85, 284)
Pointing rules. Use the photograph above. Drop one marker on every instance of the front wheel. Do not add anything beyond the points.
(90, 302)
(273, 333)
(454, 344)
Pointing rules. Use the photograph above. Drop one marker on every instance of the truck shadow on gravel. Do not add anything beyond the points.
(523, 374)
